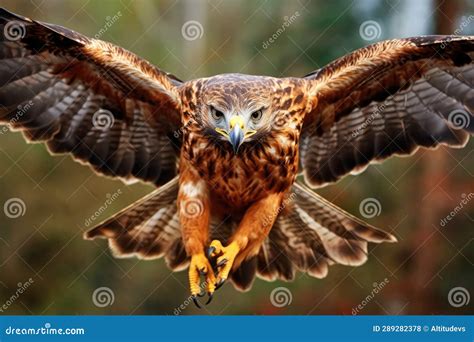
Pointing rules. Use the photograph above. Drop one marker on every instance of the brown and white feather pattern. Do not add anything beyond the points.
(148, 229)
(309, 235)
(103, 104)
(388, 98)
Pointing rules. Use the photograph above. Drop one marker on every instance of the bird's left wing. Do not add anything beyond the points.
(105, 105)
(388, 98)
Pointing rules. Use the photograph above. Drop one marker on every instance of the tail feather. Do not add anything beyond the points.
(337, 220)
(147, 229)
(309, 235)
(278, 261)
(244, 276)
(305, 246)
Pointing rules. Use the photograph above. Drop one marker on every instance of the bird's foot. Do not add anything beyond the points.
(224, 259)
(200, 265)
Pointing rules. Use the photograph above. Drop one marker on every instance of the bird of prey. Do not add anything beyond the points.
(225, 152)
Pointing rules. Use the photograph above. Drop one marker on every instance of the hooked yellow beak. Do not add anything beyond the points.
(237, 132)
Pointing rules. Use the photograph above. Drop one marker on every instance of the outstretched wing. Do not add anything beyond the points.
(388, 98)
(103, 104)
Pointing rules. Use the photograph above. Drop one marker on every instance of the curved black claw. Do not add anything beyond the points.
(196, 301)
(220, 283)
(211, 295)
(202, 293)
(221, 263)
(209, 252)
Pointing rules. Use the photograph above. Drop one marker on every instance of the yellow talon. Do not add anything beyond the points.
(225, 258)
(200, 265)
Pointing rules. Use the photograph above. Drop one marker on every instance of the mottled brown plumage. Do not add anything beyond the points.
(225, 151)
(241, 179)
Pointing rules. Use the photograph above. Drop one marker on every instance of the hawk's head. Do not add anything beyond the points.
(238, 109)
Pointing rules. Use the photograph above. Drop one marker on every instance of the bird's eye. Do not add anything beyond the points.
(216, 114)
(256, 116)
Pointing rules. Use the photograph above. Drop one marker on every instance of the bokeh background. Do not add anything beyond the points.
(415, 194)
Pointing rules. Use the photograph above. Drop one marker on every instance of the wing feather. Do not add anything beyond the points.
(105, 105)
(388, 99)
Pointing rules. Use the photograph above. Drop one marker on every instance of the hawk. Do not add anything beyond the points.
(225, 151)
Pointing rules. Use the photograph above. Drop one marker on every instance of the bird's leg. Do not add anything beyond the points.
(247, 239)
(194, 213)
